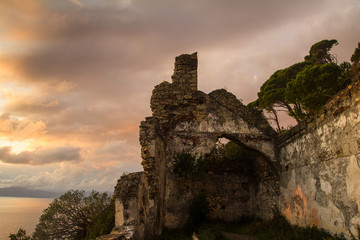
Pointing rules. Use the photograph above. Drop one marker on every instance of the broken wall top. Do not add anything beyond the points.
(180, 100)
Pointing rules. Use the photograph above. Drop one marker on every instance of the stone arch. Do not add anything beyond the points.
(196, 130)
(245, 125)
(247, 183)
(271, 163)
(265, 149)
(222, 115)
(247, 187)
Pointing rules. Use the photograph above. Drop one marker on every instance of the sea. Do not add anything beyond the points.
(22, 213)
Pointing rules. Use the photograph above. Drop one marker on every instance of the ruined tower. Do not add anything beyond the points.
(185, 72)
(171, 100)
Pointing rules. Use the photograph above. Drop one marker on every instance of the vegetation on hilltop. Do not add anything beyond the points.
(303, 88)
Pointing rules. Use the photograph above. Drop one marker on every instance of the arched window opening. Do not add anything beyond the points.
(236, 178)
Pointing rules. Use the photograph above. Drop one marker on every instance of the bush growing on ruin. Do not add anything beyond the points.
(198, 211)
(227, 157)
(184, 164)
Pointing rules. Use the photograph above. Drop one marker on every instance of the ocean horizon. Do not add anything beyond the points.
(18, 212)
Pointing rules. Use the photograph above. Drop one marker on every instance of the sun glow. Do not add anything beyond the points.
(16, 146)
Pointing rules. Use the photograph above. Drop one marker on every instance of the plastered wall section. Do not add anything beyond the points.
(320, 183)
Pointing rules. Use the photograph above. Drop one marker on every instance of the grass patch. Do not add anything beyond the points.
(176, 234)
(205, 232)
(277, 228)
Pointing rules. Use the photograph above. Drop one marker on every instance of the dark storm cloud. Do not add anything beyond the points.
(40, 157)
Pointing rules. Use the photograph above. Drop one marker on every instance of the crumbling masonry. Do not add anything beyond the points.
(311, 174)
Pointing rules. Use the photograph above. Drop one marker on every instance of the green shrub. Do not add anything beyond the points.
(198, 211)
(20, 235)
(103, 223)
(223, 158)
(184, 164)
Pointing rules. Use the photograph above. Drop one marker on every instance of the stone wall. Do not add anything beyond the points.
(126, 204)
(321, 167)
(310, 173)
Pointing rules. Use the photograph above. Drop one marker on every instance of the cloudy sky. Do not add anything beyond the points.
(76, 75)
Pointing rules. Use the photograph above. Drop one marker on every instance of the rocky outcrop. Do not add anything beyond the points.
(310, 173)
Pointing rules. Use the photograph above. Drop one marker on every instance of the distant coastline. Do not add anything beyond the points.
(26, 193)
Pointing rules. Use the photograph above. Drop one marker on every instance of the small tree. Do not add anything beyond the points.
(319, 52)
(355, 68)
(20, 235)
(314, 86)
(68, 216)
(355, 57)
(184, 164)
(103, 223)
(272, 93)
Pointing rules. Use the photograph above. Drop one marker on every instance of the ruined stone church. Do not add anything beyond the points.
(311, 173)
